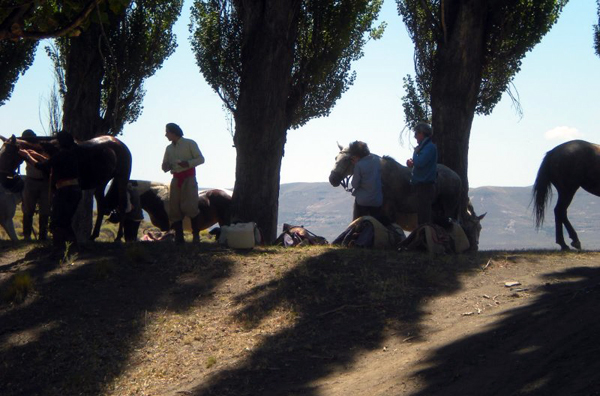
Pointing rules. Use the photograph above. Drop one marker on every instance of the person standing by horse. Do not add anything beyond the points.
(181, 158)
(366, 182)
(64, 174)
(424, 171)
(35, 192)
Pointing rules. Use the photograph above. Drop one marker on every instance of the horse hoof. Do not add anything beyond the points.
(576, 245)
(564, 248)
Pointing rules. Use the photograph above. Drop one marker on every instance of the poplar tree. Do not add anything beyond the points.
(276, 64)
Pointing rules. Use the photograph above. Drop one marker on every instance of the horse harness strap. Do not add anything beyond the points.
(345, 183)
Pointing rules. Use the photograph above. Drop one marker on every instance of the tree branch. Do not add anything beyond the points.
(12, 27)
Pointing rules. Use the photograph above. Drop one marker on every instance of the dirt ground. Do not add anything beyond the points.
(154, 319)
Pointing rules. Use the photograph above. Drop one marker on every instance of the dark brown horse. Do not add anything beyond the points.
(214, 206)
(568, 166)
(101, 160)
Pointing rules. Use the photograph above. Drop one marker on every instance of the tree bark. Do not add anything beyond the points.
(454, 88)
(83, 79)
(261, 116)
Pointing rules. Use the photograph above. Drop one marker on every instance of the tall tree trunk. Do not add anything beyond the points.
(83, 79)
(81, 107)
(261, 117)
(455, 91)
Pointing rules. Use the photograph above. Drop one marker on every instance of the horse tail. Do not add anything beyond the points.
(542, 191)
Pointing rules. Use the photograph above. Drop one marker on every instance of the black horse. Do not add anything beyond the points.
(100, 159)
(567, 166)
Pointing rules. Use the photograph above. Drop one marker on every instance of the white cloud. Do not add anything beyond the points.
(562, 133)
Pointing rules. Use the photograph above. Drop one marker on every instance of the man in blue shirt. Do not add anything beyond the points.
(424, 171)
(366, 181)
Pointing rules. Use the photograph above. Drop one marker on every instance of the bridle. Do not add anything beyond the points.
(345, 182)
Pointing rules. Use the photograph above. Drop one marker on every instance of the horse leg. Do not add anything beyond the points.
(120, 232)
(100, 204)
(9, 227)
(560, 218)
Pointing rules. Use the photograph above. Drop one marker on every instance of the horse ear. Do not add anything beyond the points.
(482, 216)
(3, 138)
(340, 146)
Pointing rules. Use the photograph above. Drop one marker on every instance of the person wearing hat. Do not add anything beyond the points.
(35, 193)
(64, 168)
(366, 182)
(424, 171)
(181, 158)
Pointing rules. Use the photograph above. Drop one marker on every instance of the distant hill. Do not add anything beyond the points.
(509, 224)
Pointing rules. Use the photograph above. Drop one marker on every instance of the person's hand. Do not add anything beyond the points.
(410, 163)
(24, 153)
(184, 164)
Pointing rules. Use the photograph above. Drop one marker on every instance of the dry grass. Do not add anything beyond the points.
(156, 318)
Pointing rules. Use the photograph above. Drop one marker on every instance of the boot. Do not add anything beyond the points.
(27, 227)
(196, 228)
(43, 230)
(178, 227)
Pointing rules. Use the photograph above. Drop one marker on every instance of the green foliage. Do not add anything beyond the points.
(52, 18)
(416, 107)
(512, 29)
(15, 59)
(140, 41)
(329, 37)
(134, 43)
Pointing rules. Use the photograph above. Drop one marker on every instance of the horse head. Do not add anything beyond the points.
(9, 158)
(471, 223)
(343, 167)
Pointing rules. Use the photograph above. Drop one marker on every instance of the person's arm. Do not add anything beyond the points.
(197, 157)
(425, 157)
(36, 159)
(356, 177)
(166, 164)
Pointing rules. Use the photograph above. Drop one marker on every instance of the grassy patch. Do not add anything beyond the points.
(19, 287)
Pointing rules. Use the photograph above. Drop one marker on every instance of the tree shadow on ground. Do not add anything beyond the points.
(76, 333)
(549, 347)
(346, 302)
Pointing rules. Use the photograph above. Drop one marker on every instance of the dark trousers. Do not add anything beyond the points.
(373, 211)
(425, 196)
(64, 206)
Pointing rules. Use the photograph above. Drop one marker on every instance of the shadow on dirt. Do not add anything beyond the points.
(78, 331)
(346, 302)
(549, 347)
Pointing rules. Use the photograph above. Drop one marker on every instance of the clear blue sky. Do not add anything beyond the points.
(558, 88)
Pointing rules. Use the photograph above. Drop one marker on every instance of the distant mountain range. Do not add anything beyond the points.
(509, 223)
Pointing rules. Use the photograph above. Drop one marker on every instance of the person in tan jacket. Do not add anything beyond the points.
(181, 158)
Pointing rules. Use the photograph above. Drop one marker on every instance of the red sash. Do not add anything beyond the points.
(181, 176)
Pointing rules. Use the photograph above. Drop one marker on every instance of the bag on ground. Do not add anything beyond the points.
(298, 236)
